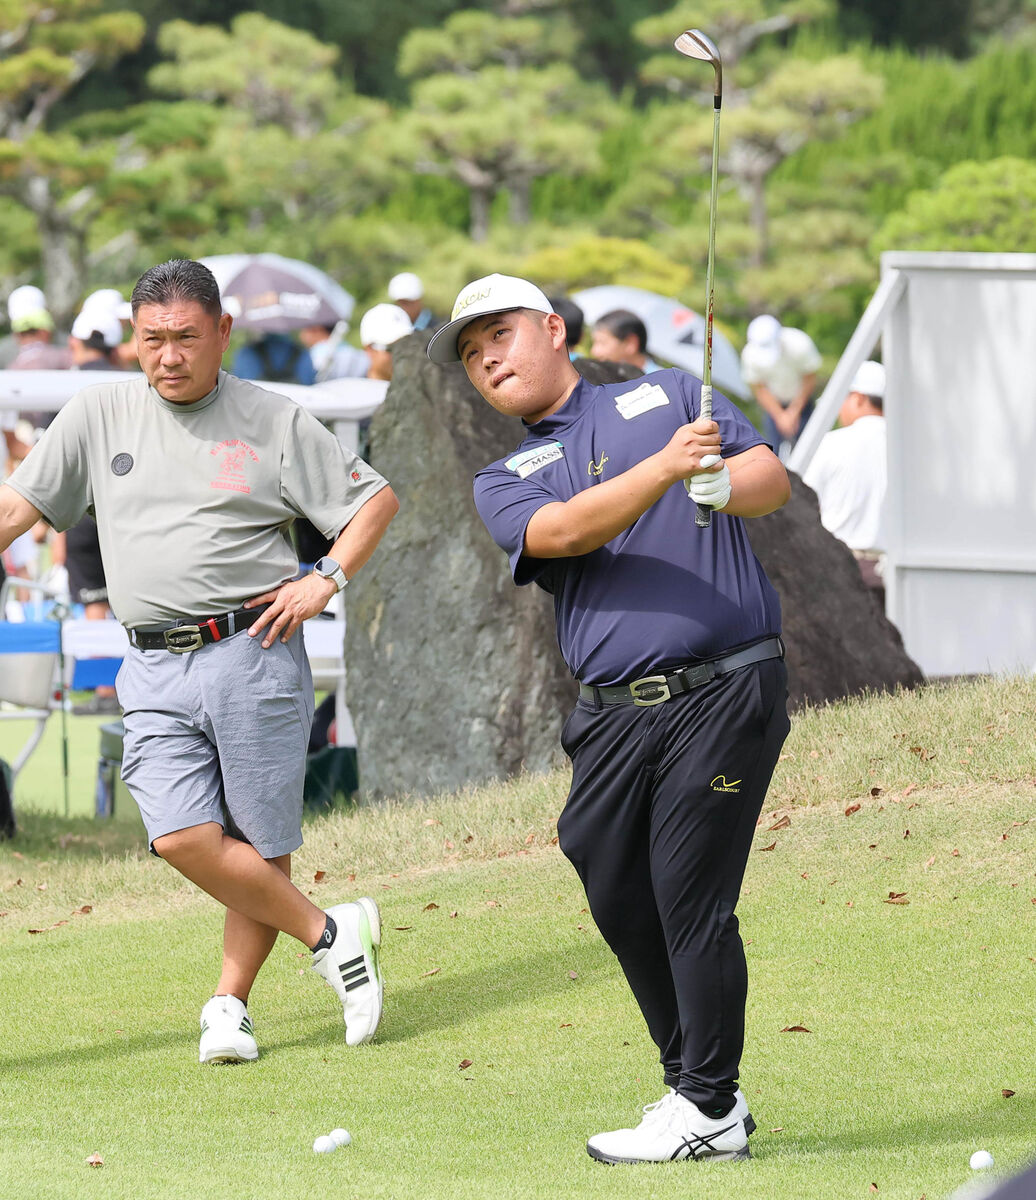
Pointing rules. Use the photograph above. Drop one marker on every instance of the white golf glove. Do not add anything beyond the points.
(710, 487)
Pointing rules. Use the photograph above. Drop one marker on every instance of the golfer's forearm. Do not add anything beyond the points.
(802, 399)
(767, 401)
(758, 484)
(597, 514)
(16, 515)
(356, 543)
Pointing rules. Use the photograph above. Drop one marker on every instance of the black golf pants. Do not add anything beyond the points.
(658, 824)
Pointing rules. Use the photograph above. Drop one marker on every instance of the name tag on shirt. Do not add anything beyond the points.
(640, 400)
(532, 460)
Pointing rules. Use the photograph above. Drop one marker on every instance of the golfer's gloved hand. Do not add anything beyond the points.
(710, 487)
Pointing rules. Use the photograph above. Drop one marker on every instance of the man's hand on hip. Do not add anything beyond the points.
(290, 605)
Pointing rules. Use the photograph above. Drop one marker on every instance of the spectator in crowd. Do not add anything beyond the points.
(780, 365)
(274, 357)
(110, 300)
(407, 290)
(33, 328)
(620, 336)
(95, 339)
(330, 356)
(572, 315)
(381, 327)
(848, 473)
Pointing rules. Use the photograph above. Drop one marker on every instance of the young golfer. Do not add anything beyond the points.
(673, 634)
(194, 478)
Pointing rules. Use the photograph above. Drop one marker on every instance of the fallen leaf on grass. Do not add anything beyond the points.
(433, 971)
(318, 875)
(804, 875)
(877, 791)
(572, 975)
(778, 1129)
(469, 838)
(873, 1187)
(492, 904)
(910, 787)
(568, 1025)
(530, 839)
(7, 912)
(783, 823)
(447, 845)
(906, 833)
(955, 854)
(48, 928)
(772, 846)
(897, 898)
(432, 821)
(796, 1029)
(81, 912)
(1006, 1093)
(95, 1160)
(923, 754)
(41, 887)
(351, 876)
(464, 1064)
(454, 913)
(929, 862)
(403, 928)
(853, 808)
(428, 907)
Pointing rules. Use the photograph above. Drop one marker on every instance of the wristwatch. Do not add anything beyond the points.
(331, 568)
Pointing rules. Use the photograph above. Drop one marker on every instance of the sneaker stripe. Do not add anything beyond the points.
(348, 966)
(362, 982)
(348, 974)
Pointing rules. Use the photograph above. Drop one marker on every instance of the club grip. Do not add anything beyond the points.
(702, 516)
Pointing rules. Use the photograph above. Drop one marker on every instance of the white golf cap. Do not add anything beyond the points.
(490, 294)
(405, 286)
(27, 309)
(869, 379)
(108, 300)
(764, 336)
(98, 320)
(384, 324)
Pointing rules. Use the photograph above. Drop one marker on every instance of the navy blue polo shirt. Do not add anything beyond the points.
(664, 592)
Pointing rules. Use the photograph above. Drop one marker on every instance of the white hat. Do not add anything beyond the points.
(764, 336)
(27, 309)
(109, 300)
(98, 320)
(869, 380)
(405, 286)
(490, 294)
(384, 324)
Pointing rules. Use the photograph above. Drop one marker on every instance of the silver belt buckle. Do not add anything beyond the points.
(182, 639)
(655, 697)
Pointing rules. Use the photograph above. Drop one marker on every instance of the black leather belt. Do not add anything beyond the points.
(194, 632)
(654, 689)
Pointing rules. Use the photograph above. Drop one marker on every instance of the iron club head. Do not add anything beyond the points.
(695, 44)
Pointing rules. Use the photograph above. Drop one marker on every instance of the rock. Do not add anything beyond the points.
(839, 642)
(454, 673)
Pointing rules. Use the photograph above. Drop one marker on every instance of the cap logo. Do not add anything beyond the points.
(467, 300)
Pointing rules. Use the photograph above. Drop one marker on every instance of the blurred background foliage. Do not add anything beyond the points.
(563, 139)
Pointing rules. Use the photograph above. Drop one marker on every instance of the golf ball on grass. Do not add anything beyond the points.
(340, 1137)
(324, 1145)
(981, 1160)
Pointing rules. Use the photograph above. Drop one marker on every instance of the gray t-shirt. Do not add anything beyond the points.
(193, 502)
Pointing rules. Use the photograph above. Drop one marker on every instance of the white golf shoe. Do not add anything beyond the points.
(673, 1129)
(226, 1032)
(350, 965)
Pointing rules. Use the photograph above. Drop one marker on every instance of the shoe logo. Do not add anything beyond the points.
(354, 974)
(597, 468)
(694, 1146)
(721, 784)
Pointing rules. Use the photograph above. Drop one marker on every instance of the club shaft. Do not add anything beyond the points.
(703, 515)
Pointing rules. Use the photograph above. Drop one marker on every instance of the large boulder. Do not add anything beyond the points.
(454, 673)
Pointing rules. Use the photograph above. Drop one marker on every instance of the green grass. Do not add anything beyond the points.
(920, 1014)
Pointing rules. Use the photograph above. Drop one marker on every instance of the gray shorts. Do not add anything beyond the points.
(219, 734)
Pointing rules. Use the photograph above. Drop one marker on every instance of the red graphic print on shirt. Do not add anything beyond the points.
(234, 458)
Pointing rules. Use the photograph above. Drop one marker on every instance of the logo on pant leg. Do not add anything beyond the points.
(721, 784)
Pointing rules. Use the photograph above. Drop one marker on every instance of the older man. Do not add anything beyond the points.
(673, 634)
(194, 477)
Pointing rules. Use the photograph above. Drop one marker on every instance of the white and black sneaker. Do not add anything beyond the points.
(350, 965)
(226, 1032)
(674, 1129)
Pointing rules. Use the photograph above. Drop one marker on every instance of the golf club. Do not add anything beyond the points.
(694, 44)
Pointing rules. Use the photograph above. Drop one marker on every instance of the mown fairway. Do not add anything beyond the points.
(920, 1013)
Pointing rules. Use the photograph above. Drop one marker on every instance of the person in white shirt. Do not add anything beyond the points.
(848, 472)
(780, 365)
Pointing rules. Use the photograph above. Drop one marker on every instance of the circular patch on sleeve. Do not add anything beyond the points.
(122, 464)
